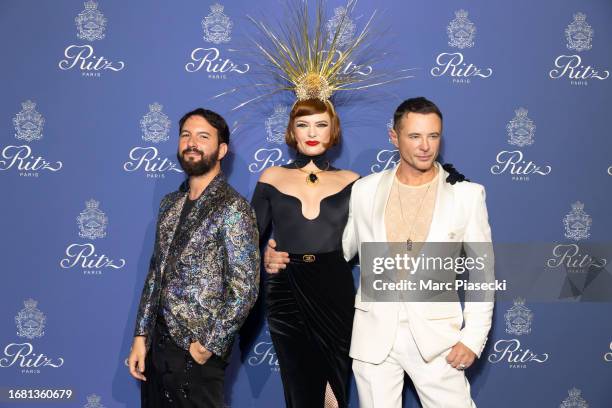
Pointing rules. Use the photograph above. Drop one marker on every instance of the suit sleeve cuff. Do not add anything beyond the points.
(474, 343)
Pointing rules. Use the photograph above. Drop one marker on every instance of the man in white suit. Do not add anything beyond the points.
(414, 202)
(424, 340)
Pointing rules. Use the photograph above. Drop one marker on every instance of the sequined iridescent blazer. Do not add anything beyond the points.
(205, 279)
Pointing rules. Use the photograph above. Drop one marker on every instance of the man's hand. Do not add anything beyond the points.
(274, 261)
(199, 353)
(136, 360)
(460, 357)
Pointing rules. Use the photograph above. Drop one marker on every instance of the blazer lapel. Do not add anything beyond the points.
(201, 209)
(443, 211)
(380, 205)
(168, 228)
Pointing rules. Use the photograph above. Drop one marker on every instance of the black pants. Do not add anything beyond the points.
(175, 379)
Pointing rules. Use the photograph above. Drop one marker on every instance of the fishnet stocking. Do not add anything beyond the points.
(330, 398)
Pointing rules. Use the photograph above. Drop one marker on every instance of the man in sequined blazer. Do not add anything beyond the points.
(203, 277)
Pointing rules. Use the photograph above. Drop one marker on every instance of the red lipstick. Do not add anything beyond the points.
(312, 143)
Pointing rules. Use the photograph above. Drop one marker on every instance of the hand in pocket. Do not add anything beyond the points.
(199, 353)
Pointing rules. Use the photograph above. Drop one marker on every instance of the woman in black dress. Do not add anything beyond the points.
(310, 302)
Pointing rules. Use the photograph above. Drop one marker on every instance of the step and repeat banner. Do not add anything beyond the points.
(91, 96)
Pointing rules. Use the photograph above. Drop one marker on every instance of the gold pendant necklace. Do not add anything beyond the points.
(312, 178)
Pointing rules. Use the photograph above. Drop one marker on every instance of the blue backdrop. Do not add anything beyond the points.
(91, 95)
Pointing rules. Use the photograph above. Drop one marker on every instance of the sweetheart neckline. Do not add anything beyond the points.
(302, 204)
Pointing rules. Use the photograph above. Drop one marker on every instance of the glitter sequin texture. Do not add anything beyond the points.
(205, 279)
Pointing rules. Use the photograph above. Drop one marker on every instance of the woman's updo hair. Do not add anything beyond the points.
(311, 107)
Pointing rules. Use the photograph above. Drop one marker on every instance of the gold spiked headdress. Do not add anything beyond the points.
(304, 60)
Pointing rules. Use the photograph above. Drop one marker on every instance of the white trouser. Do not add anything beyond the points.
(438, 384)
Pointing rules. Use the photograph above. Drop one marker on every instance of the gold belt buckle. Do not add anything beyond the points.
(309, 258)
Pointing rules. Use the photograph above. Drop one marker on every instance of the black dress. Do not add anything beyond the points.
(310, 302)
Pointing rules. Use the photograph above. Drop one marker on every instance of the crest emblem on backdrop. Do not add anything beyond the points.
(461, 31)
(217, 26)
(577, 223)
(518, 318)
(30, 321)
(521, 129)
(574, 400)
(92, 221)
(28, 122)
(90, 22)
(155, 124)
(276, 125)
(93, 401)
(347, 28)
(579, 34)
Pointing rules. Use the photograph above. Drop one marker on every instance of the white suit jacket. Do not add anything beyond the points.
(460, 215)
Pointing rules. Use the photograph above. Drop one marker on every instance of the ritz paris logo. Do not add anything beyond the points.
(30, 323)
(217, 29)
(521, 133)
(91, 26)
(461, 35)
(92, 223)
(386, 158)
(264, 354)
(579, 37)
(518, 322)
(29, 124)
(344, 37)
(264, 158)
(155, 127)
(577, 224)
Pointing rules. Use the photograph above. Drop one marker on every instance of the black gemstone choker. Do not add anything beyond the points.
(319, 160)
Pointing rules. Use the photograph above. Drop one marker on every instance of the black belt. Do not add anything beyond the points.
(323, 257)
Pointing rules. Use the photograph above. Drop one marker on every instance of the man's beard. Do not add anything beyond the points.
(197, 167)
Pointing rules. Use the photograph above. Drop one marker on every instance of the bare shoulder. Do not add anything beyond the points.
(272, 175)
(348, 176)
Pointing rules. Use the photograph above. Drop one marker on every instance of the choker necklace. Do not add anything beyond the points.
(320, 160)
